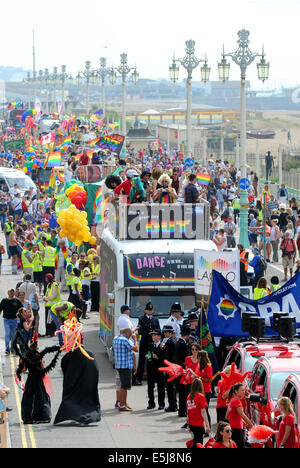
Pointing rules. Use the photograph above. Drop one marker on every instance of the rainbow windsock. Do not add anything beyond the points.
(203, 179)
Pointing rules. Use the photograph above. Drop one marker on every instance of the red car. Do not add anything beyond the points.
(268, 377)
(245, 353)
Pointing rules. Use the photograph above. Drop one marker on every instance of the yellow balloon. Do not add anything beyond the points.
(83, 214)
(62, 233)
(93, 240)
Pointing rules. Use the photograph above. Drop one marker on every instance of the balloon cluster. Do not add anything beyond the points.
(76, 194)
(27, 113)
(31, 161)
(74, 226)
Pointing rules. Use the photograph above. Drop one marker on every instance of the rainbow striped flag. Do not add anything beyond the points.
(52, 160)
(67, 141)
(93, 142)
(203, 179)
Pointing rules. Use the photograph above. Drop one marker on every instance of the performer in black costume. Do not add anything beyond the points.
(36, 404)
(80, 399)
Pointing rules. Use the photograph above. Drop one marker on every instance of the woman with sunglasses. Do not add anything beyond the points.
(223, 436)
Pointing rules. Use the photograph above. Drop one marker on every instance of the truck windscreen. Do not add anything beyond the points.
(161, 300)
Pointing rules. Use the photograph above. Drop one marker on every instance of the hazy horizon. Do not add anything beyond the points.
(150, 33)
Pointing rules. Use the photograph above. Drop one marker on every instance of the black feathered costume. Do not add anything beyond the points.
(80, 399)
(36, 404)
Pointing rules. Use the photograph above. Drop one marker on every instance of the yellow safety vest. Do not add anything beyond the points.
(69, 276)
(60, 304)
(96, 270)
(49, 257)
(25, 262)
(49, 292)
(259, 293)
(37, 262)
(76, 280)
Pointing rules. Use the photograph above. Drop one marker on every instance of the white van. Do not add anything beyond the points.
(9, 177)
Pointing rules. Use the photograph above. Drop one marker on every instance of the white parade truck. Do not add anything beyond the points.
(148, 255)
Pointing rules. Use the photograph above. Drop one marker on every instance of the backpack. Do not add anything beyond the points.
(263, 264)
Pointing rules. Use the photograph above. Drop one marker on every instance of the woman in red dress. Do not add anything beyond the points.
(196, 412)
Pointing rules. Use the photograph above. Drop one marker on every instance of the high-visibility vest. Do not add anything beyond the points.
(66, 312)
(259, 293)
(25, 262)
(37, 262)
(96, 269)
(236, 204)
(244, 259)
(49, 257)
(69, 276)
(275, 287)
(76, 280)
(49, 292)
(9, 227)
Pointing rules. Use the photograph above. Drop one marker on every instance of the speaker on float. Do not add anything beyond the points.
(276, 318)
(257, 327)
(287, 327)
(246, 316)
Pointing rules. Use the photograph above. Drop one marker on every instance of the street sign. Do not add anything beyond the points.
(244, 184)
(189, 162)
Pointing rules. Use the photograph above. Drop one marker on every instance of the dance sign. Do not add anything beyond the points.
(169, 269)
(226, 263)
(112, 143)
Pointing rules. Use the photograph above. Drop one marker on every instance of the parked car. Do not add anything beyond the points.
(268, 377)
(245, 353)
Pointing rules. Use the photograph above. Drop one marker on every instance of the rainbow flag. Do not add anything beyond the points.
(203, 179)
(52, 160)
(93, 142)
(67, 141)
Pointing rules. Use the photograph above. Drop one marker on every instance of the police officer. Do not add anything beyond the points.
(146, 324)
(175, 319)
(168, 347)
(182, 350)
(154, 362)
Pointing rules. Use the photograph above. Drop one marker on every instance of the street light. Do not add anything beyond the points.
(189, 62)
(53, 80)
(89, 75)
(63, 77)
(243, 57)
(102, 73)
(28, 81)
(123, 69)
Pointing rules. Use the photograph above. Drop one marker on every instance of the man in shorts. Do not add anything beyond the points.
(123, 347)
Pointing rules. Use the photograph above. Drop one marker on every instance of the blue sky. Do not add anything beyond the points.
(71, 32)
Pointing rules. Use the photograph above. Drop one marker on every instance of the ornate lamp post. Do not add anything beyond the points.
(123, 69)
(54, 79)
(189, 62)
(88, 75)
(243, 57)
(102, 73)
